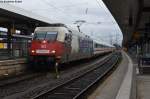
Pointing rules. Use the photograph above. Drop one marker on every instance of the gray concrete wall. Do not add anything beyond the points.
(12, 67)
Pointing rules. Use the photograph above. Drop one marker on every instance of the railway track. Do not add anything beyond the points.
(19, 78)
(29, 87)
(74, 88)
(22, 77)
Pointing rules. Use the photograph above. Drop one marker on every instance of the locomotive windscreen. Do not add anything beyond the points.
(51, 36)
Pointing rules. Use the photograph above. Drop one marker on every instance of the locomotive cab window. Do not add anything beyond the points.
(50, 36)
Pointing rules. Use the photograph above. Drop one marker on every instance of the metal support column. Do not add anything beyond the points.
(9, 41)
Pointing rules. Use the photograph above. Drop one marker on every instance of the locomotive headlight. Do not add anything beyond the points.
(33, 51)
(44, 41)
(53, 51)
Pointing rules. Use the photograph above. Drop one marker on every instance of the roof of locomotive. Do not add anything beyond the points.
(61, 27)
(75, 32)
(51, 29)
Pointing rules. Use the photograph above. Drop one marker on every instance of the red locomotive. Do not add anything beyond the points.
(59, 44)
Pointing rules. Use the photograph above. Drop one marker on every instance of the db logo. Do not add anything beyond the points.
(43, 46)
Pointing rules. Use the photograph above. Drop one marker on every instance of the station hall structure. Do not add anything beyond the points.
(127, 82)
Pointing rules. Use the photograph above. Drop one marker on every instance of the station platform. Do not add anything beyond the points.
(7, 57)
(143, 82)
(121, 84)
(143, 88)
(10, 67)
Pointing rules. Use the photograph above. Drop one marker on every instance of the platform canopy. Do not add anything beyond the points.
(133, 17)
(18, 18)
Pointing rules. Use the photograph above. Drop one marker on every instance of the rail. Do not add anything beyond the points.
(75, 87)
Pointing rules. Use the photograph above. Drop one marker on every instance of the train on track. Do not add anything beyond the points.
(60, 44)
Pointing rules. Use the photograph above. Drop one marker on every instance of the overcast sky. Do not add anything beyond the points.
(69, 11)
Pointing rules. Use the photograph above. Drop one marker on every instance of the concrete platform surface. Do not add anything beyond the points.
(113, 87)
(143, 86)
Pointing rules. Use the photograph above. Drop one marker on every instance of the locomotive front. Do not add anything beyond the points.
(45, 47)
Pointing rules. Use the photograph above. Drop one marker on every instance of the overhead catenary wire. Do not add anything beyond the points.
(58, 9)
(74, 5)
